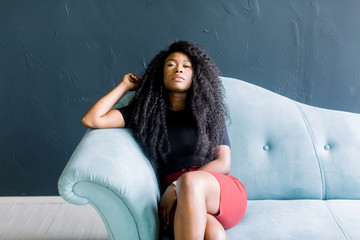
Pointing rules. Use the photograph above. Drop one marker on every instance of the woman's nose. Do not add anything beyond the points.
(178, 71)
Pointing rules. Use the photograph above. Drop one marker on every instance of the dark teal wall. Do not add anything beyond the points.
(58, 57)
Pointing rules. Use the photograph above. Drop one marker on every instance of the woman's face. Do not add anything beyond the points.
(178, 72)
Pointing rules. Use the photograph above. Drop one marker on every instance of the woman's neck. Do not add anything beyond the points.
(177, 101)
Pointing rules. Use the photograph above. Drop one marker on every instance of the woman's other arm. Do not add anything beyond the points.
(100, 114)
(222, 162)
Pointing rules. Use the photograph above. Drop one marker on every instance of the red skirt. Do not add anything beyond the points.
(233, 199)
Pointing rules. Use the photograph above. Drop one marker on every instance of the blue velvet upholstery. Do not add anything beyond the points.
(300, 165)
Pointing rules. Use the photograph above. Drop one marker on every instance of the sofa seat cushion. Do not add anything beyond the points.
(297, 219)
(347, 215)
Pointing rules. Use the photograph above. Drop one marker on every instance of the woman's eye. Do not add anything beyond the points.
(170, 64)
(187, 66)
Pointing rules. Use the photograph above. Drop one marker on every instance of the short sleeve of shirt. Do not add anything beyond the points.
(226, 140)
(126, 113)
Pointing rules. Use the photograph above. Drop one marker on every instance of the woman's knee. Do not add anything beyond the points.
(189, 182)
(199, 187)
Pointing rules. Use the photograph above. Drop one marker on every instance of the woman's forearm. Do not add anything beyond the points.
(216, 165)
(104, 104)
(100, 115)
(222, 162)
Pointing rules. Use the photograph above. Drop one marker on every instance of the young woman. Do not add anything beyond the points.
(179, 117)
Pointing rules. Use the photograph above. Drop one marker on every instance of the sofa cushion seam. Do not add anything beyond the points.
(312, 137)
(337, 220)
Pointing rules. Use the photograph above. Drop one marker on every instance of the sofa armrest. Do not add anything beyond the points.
(109, 170)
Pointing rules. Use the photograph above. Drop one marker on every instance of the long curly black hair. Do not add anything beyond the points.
(205, 98)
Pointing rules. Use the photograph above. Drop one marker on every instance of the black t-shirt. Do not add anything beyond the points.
(182, 135)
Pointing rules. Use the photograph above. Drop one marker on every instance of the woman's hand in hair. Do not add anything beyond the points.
(131, 81)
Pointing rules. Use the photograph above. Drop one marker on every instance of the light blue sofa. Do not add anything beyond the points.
(300, 165)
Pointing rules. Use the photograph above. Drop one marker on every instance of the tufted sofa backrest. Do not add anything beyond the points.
(282, 149)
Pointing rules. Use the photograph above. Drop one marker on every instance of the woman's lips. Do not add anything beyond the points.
(178, 78)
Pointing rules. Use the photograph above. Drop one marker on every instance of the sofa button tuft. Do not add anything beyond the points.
(327, 147)
(266, 147)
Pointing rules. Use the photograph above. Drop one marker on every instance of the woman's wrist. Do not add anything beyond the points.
(124, 86)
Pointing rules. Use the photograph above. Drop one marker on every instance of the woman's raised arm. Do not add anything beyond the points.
(100, 114)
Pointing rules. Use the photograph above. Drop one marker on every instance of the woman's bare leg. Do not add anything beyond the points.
(198, 193)
(214, 230)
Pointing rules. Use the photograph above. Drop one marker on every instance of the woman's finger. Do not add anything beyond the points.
(166, 221)
(167, 218)
(133, 76)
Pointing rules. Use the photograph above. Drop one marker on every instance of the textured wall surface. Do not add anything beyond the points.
(58, 57)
